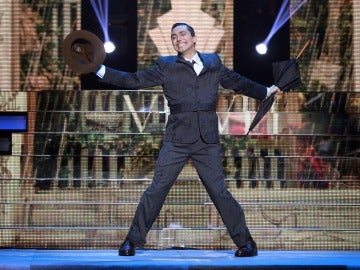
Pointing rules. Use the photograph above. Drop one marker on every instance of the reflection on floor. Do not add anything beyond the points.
(21, 259)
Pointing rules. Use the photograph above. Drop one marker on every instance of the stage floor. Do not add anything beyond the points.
(33, 259)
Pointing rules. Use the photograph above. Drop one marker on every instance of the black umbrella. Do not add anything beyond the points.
(286, 76)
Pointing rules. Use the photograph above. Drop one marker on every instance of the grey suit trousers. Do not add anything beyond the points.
(208, 163)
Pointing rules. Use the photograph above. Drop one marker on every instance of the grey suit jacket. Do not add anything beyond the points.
(191, 98)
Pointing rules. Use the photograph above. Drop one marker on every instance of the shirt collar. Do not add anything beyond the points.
(196, 58)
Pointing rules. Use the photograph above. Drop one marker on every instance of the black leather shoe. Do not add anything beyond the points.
(249, 250)
(127, 249)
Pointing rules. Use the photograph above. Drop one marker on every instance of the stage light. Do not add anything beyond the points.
(109, 46)
(101, 9)
(287, 9)
(261, 48)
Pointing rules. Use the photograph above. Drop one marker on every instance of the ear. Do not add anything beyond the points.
(195, 39)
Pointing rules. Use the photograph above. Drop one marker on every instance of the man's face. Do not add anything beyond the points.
(182, 40)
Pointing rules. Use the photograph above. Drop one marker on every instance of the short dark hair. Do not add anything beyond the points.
(188, 27)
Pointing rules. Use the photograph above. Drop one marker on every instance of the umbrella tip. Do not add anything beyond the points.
(308, 42)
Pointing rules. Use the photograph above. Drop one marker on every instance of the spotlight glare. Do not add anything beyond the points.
(261, 48)
(109, 47)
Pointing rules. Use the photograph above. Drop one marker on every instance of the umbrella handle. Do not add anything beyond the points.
(304, 48)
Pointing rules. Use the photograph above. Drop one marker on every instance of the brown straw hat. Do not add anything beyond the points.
(83, 51)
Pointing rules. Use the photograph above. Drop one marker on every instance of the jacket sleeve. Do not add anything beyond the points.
(230, 79)
(150, 77)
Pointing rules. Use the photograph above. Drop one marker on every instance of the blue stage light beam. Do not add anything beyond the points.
(287, 9)
(101, 9)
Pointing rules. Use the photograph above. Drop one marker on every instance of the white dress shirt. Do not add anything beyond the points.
(101, 72)
(198, 64)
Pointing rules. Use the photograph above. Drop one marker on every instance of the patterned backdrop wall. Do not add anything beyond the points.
(74, 178)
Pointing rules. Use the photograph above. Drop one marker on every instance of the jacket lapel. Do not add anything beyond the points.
(206, 61)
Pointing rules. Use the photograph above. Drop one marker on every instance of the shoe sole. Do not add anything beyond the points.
(126, 253)
(253, 254)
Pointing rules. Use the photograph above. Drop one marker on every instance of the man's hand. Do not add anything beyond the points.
(273, 89)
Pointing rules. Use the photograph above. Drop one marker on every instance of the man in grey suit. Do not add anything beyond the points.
(190, 81)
